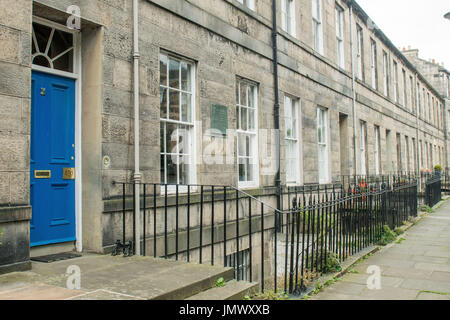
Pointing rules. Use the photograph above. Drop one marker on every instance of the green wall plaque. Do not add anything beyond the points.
(219, 118)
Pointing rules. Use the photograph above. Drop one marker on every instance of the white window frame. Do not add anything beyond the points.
(385, 74)
(420, 147)
(433, 111)
(407, 155)
(293, 162)
(399, 153)
(395, 80)
(373, 61)
(411, 94)
(248, 3)
(187, 134)
(405, 89)
(362, 147)
(288, 22)
(323, 146)
(317, 26)
(340, 36)
(419, 100)
(359, 53)
(377, 148)
(247, 132)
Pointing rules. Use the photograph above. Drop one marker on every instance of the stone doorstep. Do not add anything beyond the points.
(117, 278)
(15, 267)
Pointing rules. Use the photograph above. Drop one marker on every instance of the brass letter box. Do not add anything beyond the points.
(42, 174)
(69, 173)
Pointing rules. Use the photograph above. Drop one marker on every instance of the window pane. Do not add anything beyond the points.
(243, 92)
(184, 170)
(183, 139)
(237, 92)
(320, 135)
(241, 146)
(247, 145)
(186, 77)
(163, 102)
(174, 74)
(238, 117)
(42, 34)
(251, 96)
(294, 129)
(163, 70)
(171, 170)
(244, 119)
(242, 174)
(250, 170)
(251, 119)
(174, 105)
(162, 138)
(171, 138)
(162, 169)
(186, 114)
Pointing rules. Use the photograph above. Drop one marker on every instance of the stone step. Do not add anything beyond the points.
(233, 290)
(138, 277)
(198, 281)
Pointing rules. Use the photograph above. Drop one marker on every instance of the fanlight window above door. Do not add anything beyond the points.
(52, 48)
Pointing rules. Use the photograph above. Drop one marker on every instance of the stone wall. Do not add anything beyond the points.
(15, 83)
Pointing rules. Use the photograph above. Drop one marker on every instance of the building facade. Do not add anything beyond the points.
(439, 77)
(211, 97)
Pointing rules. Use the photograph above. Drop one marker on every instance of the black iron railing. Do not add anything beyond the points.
(433, 190)
(280, 249)
(445, 181)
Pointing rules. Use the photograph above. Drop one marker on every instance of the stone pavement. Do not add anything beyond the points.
(416, 268)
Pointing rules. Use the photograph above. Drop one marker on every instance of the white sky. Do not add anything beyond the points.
(416, 23)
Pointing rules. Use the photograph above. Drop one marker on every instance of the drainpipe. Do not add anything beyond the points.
(417, 100)
(137, 174)
(277, 101)
(353, 90)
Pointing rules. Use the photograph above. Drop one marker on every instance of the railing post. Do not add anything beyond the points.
(224, 226)
(212, 224)
(144, 245)
(262, 247)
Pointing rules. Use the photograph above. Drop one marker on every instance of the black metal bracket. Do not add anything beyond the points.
(126, 249)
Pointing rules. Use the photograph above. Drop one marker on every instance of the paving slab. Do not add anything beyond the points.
(39, 292)
(428, 285)
(390, 293)
(432, 296)
(440, 276)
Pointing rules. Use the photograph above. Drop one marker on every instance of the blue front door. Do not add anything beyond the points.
(52, 159)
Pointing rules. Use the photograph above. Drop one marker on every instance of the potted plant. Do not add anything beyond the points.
(438, 169)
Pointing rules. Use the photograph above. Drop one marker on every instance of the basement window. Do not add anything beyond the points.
(239, 261)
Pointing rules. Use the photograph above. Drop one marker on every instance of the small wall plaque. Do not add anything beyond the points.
(219, 119)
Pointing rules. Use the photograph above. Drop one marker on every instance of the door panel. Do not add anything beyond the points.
(52, 150)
